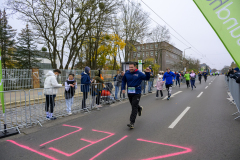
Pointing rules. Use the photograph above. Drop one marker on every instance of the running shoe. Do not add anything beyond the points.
(140, 111)
(53, 118)
(47, 117)
(168, 98)
(69, 113)
(131, 125)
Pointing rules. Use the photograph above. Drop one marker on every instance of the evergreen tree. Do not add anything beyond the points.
(26, 51)
(7, 41)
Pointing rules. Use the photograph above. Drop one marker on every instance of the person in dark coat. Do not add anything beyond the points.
(85, 84)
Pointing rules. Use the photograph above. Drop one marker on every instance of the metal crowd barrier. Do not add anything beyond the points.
(16, 113)
(28, 108)
(234, 89)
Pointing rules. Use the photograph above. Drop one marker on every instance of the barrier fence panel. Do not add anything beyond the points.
(234, 89)
(15, 115)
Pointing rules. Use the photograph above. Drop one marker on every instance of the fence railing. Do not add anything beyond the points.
(16, 79)
(234, 89)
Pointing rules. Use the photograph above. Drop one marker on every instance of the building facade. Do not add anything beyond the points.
(165, 54)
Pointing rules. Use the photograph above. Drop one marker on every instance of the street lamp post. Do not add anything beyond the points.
(185, 50)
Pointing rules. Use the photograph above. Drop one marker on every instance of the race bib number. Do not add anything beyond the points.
(131, 90)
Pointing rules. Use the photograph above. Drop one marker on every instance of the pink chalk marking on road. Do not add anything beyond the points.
(32, 150)
(91, 143)
(187, 150)
(108, 147)
(79, 129)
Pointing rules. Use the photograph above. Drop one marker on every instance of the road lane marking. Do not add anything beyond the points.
(200, 95)
(206, 87)
(179, 118)
(210, 83)
(172, 95)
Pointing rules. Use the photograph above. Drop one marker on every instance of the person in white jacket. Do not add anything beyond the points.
(50, 91)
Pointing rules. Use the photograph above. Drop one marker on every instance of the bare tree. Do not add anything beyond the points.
(135, 24)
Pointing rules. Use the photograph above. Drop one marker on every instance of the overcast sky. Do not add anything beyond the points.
(184, 17)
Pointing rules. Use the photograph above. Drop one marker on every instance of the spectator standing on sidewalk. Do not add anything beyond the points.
(85, 85)
(98, 87)
(150, 83)
(50, 91)
(118, 83)
(70, 87)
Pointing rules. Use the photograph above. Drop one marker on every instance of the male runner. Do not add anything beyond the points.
(170, 77)
(134, 78)
(205, 75)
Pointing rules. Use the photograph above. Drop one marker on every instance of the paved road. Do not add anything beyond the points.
(191, 126)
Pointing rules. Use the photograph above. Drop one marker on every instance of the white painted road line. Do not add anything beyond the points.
(200, 95)
(210, 83)
(172, 95)
(206, 87)
(179, 118)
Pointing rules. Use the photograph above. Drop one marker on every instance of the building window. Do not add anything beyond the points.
(147, 54)
(156, 53)
(138, 54)
(142, 47)
(156, 45)
(147, 47)
(134, 54)
(151, 53)
(143, 54)
(151, 46)
(138, 47)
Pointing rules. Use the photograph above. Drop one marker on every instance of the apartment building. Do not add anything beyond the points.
(165, 54)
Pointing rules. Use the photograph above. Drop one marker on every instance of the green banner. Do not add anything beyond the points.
(1, 85)
(224, 17)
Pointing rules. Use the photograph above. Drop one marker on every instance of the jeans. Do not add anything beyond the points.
(69, 103)
(116, 92)
(178, 82)
(192, 83)
(134, 100)
(149, 86)
(99, 92)
(50, 100)
(85, 96)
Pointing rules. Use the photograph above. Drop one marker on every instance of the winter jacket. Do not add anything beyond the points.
(192, 76)
(187, 76)
(134, 79)
(169, 77)
(119, 80)
(151, 78)
(177, 76)
(85, 82)
(235, 75)
(205, 74)
(51, 84)
(69, 90)
(98, 79)
(159, 84)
